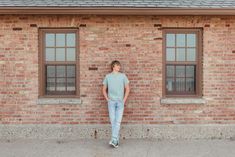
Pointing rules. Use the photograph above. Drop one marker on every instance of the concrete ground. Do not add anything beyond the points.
(128, 148)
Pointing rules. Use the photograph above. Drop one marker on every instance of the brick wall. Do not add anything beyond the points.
(134, 40)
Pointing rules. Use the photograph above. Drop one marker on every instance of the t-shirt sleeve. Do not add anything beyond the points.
(126, 81)
(105, 81)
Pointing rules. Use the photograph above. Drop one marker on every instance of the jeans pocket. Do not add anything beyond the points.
(122, 101)
(109, 100)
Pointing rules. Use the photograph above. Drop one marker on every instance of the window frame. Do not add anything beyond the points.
(198, 78)
(42, 62)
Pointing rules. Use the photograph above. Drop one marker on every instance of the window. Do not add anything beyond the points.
(182, 62)
(59, 62)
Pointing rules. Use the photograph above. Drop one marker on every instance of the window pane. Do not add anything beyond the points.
(60, 71)
(70, 71)
(50, 71)
(170, 71)
(169, 84)
(50, 54)
(70, 84)
(180, 84)
(191, 40)
(180, 71)
(170, 54)
(60, 86)
(60, 40)
(190, 85)
(60, 54)
(191, 54)
(180, 40)
(170, 40)
(71, 39)
(50, 40)
(50, 84)
(71, 54)
(190, 70)
(180, 54)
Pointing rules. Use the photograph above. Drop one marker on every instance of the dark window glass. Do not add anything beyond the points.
(181, 62)
(60, 63)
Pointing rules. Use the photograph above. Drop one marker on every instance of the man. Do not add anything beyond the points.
(118, 91)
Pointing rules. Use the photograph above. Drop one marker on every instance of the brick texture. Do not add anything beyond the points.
(134, 40)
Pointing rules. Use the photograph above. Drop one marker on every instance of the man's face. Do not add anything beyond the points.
(117, 67)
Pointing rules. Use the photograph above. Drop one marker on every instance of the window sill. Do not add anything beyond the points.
(183, 101)
(58, 101)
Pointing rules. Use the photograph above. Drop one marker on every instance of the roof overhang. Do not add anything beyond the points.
(117, 11)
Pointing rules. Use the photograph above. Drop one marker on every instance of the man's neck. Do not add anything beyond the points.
(115, 72)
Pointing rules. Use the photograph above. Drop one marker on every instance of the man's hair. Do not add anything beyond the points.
(115, 62)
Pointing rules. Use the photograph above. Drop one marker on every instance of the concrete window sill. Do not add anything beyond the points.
(57, 101)
(183, 101)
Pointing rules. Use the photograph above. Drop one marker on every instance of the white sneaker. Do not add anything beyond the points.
(114, 144)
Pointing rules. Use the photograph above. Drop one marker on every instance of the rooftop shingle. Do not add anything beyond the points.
(121, 3)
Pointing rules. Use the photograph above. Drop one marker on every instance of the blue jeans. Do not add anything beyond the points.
(116, 108)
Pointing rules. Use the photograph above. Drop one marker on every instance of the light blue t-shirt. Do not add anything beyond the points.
(116, 83)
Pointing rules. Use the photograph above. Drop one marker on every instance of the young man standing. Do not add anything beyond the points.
(118, 91)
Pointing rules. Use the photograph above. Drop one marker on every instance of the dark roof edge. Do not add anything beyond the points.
(117, 11)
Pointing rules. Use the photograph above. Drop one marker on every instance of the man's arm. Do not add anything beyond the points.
(127, 91)
(105, 92)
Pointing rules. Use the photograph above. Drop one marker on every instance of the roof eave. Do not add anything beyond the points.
(117, 10)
